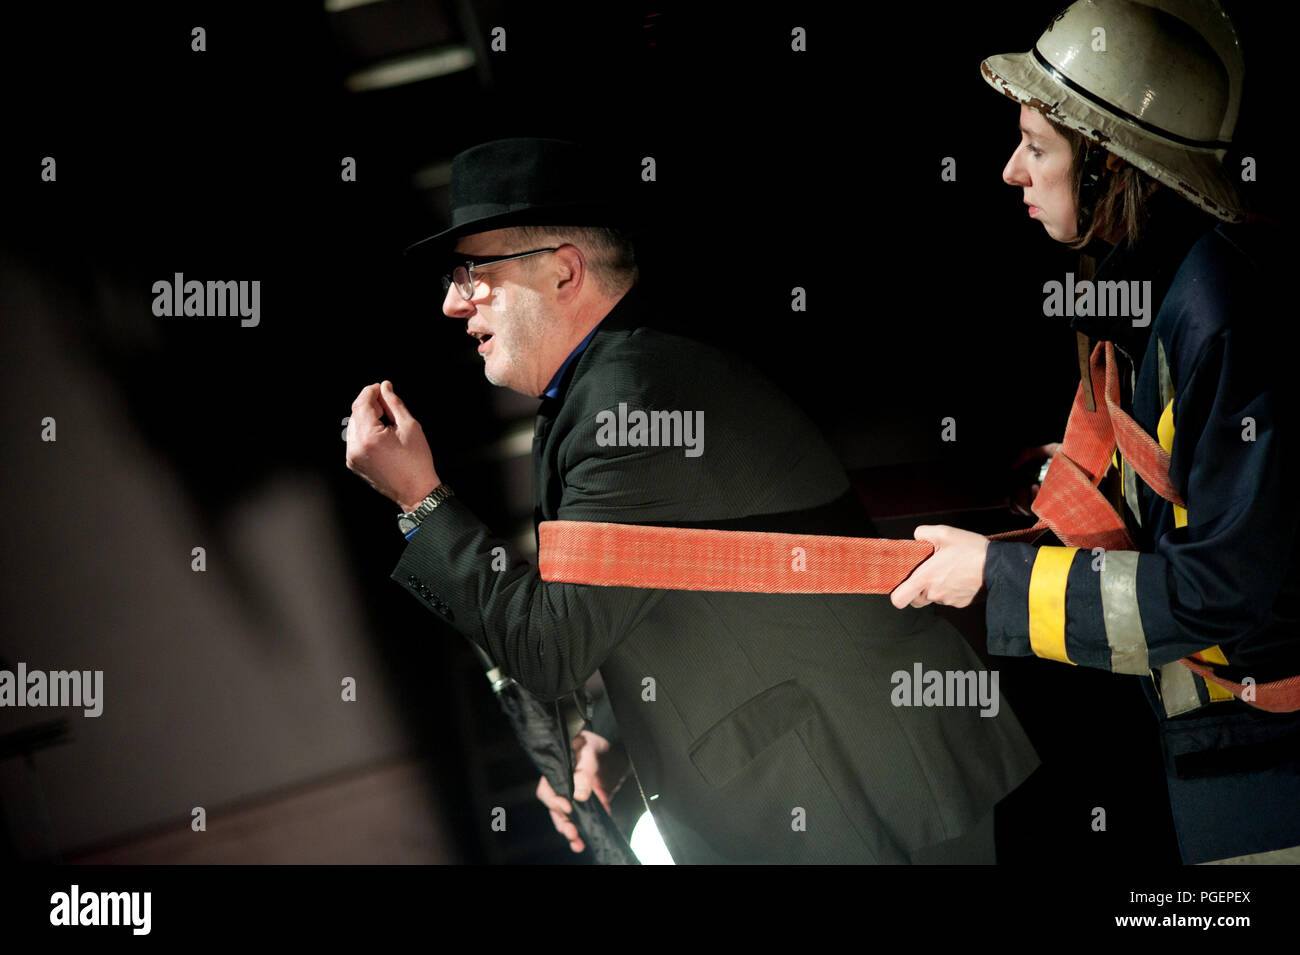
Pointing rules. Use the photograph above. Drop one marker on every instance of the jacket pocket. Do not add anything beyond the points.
(741, 736)
(783, 790)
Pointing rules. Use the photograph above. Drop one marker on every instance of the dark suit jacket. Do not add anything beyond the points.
(770, 735)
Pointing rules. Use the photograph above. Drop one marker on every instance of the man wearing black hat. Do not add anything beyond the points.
(763, 728)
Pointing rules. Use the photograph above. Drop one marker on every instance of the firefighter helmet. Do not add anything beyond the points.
(1156, 82)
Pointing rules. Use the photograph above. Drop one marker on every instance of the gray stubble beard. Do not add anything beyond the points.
(527, 325)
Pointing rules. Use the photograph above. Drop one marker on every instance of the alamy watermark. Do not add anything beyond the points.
(84, 688)
(651, 429)
(179, 298)
(1087, 298)
(924, 687)
(76, 907)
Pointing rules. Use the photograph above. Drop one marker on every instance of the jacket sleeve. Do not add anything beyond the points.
(549, 637)
(1217, 569)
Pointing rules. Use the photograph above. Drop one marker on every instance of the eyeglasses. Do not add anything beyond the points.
(462, 276)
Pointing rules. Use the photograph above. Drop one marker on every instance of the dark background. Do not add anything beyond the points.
(774, 170)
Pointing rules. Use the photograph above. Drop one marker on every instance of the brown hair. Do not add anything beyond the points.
(1123, 201)
(610, 251)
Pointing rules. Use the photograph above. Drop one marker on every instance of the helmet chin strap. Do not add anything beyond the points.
(1094, 164)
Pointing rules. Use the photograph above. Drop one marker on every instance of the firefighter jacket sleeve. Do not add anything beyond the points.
(1216, 575)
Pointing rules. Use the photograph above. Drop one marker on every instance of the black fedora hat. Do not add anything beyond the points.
(525, 181)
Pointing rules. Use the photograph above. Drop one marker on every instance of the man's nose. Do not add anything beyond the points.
(454, 304)
(1013, 174)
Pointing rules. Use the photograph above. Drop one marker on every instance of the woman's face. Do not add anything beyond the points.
(1041, 166)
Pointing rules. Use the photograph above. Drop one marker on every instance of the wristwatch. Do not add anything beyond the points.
(409, 522)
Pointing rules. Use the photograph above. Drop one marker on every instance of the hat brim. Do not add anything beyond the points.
(1196, 174)
(555, 215)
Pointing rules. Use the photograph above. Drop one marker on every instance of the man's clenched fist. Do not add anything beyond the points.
(394, 458)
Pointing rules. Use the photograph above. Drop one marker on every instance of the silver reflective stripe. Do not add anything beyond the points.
(1178, 689)
(1131, 496)
(1128, 477)
(1162, 372)
(1272, 857)
(1119, 608)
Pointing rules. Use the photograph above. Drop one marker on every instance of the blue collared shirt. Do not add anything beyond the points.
(553, 389)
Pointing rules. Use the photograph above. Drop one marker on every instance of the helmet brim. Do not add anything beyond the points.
(1195, 173)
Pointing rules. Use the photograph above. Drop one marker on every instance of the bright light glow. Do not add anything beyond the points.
(409, 69)
(338, 6)
(647, 844)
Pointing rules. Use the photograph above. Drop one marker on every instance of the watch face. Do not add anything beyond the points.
(406, 525)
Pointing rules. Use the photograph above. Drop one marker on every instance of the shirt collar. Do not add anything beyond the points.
(553, 389)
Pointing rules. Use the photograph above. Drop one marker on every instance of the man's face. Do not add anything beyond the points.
(507, 314)
(1042, 166)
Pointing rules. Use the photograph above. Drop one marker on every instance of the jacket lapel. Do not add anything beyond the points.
(628, 313)
(541, 477)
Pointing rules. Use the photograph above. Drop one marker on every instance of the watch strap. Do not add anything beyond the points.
(411, 520)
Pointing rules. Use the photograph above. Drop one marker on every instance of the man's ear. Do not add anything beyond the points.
(573, 269)
(1114, 163)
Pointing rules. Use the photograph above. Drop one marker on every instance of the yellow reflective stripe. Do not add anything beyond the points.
(1165, 429)
(1165, 432)
(1217, 693)
(1047, 583)
(1214, 655)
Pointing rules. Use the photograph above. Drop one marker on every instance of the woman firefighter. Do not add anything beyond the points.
(1173, 498)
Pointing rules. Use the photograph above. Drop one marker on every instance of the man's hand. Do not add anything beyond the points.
(951, 576)
(394, 458)
(599, 768)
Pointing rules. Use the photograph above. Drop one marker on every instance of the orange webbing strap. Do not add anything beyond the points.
(1069, 503)
(1280, 696)
(674, 558)
(1143, 453)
